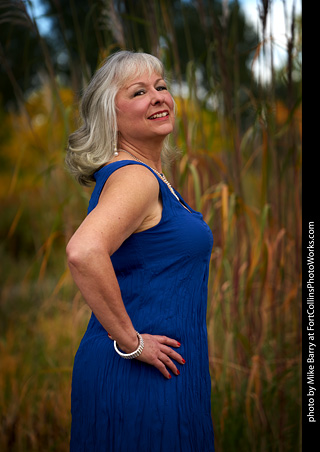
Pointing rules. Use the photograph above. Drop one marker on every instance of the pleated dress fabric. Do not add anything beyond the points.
(121, 405)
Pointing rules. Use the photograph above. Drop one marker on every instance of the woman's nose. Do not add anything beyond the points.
(157, 97)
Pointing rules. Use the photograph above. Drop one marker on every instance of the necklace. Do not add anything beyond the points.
(161, 175)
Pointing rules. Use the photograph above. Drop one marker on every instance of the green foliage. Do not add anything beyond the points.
(240, 165)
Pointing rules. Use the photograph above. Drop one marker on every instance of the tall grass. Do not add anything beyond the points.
(240, 166)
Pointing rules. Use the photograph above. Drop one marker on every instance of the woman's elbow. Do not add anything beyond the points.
(81, 253)
(76, 253)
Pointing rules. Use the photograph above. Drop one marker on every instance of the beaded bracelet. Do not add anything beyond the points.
(134, 354)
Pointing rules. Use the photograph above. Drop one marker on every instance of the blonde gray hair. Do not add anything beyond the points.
(92, 145)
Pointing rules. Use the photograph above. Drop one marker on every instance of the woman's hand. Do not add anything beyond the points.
(157, 352)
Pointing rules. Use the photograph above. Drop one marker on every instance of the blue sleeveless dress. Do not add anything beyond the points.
(123, 405)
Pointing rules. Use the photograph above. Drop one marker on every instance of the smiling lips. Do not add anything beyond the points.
(160, 114)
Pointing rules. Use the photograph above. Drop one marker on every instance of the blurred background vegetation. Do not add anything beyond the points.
(240, 137)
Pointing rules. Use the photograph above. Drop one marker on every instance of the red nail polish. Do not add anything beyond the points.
(183, 361)
(178, 373)
(178, 344)
(169, 377)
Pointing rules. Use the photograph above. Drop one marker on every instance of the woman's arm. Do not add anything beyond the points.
(128, 203)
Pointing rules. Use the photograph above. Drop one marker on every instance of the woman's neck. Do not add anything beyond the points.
(149, 156)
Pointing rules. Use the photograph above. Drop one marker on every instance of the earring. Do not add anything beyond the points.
(115, 150)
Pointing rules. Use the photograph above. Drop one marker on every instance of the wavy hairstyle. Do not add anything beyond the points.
(92, 145)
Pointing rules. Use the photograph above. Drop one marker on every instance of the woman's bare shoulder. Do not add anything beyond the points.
(132, 179)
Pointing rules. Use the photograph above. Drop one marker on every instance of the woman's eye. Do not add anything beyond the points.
(138, 93)
(142, 91)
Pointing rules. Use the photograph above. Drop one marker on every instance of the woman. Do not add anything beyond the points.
(140, 258)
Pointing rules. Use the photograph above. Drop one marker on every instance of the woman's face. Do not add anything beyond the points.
(145, 109)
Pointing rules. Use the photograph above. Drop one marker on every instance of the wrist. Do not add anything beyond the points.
(135, 353)
(129, 348)
(130, 344)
